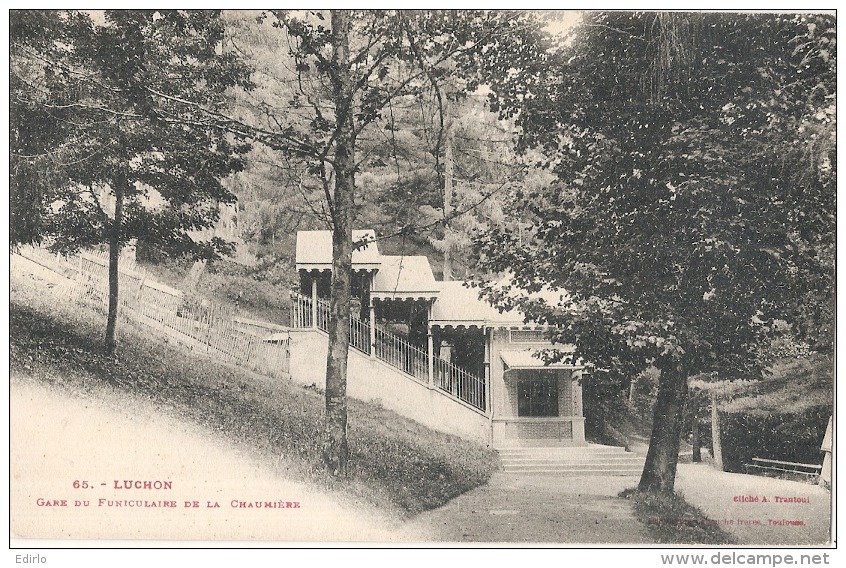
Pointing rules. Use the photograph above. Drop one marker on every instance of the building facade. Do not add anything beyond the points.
(434, 351)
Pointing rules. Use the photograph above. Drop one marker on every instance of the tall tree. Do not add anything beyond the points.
(694, 205)
(347, 70)
(30, 124)
(133, 157)
(479, 169)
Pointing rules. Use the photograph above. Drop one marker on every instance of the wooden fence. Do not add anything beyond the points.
(201, 325)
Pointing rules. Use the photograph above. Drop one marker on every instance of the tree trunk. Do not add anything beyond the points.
(696, 441)
(335, 451)
(659, 471)
(448, 174)
(716, 443)
(114, 257)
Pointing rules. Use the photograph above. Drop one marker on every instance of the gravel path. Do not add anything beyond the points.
(539, 509)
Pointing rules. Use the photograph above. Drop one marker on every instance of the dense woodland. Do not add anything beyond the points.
(674, 172)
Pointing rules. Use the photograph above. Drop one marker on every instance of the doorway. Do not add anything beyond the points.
(537, 396)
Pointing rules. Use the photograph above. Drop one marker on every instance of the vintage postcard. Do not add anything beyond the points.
(587, 261)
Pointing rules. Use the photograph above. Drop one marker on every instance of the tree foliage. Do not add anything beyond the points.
(128, 153)
(116, 91)
(31, 128)
(694, 203)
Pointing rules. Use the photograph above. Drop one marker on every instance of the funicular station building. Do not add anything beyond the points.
(434, 351)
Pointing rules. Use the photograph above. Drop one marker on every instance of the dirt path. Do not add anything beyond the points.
(538, 509)
(58, 439)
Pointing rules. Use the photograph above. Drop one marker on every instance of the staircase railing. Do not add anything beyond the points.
(459, 383)
(399, 353)
(303, 314)
(394, 350)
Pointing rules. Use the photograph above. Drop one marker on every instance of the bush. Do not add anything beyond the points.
(794, 437)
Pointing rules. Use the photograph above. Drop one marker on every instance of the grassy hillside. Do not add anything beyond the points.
(394, 462)
(257, 292)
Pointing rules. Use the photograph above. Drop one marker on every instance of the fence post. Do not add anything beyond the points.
(207, 319)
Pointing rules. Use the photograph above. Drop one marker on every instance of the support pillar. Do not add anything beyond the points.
(372, 324)
(314, 300)
(578, 409)
(430, 348)
(488, 400)
(577, 394)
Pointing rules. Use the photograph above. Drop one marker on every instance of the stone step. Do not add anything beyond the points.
(585, 465)
(598, 472)
(564, 451)
(567, 455)
(590, 460)
(581, 460)
(573, 456)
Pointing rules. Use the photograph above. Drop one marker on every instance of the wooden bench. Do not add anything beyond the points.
(779, 467)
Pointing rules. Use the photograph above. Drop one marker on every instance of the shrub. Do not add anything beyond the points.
(794, 437)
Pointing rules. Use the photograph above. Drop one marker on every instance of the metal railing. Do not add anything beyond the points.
(300, 311)
(302, 315)
(399, 353)
(396, 351)
(359, 335)
(459, 383)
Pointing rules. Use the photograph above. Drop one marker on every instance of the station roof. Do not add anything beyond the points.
(405, 277)
(460, 305)
(456, 304)
(314, 250)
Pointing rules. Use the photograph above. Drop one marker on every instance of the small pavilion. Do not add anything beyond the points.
(443, 335)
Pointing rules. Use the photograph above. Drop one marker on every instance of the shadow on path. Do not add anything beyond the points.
(538, 509)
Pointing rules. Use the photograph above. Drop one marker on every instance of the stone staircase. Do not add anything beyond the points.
(571, 461)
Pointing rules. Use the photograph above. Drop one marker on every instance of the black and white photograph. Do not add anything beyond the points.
(436, 278)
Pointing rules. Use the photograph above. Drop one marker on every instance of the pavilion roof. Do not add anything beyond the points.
(405, 277)
(314, 250)
(459, 304)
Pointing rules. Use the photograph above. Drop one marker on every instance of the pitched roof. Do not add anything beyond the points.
(314, 250)
(459, 304)
(405, 277)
